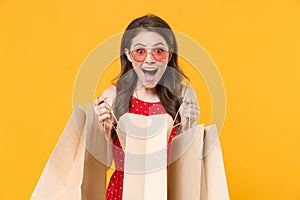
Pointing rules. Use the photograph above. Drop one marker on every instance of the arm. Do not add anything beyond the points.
(104, 116)
(94, 173)
(102, 110)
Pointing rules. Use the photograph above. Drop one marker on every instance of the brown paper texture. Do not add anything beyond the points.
(144, 140)
(77, 166)
(184, 172)
(199, 172)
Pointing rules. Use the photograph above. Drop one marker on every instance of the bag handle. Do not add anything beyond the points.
(173, 126)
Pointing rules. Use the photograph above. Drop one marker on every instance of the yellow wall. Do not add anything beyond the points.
(255, 45)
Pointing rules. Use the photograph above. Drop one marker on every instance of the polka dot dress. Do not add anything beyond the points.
(115, 187)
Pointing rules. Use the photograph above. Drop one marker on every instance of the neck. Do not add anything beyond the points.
(146, 91)
(146, 94)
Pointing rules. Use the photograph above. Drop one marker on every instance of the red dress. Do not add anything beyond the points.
(115, 187)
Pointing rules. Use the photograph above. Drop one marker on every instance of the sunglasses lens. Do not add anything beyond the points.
(139, 55)
(159, 54)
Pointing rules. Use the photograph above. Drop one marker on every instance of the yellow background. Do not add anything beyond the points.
(255, 45)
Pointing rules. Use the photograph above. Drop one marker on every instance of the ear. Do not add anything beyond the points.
(128, 55)
(170, 56)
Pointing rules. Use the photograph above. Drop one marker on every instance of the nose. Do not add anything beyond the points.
(149, 58)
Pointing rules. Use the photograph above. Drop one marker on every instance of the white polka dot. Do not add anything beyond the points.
(137, 109)
(144, 103)
(136, 102)
(157, 108)
(132, 105)
(141, 106)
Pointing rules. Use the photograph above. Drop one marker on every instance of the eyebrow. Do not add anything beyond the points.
(156, 44)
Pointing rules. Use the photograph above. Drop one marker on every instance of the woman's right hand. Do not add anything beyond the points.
(104, 116)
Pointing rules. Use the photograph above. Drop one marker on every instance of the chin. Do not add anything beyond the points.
(150, 85)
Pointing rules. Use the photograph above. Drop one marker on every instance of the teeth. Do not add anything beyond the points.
(149, 69)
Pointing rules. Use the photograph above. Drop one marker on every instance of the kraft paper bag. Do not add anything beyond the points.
(214, 176)
(144, 141)
(77, 166)
(196, 169)
(184, 172)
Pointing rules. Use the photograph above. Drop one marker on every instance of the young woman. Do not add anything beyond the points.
(150, 77)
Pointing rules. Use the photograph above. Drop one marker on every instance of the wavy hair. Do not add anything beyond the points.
(169, 86)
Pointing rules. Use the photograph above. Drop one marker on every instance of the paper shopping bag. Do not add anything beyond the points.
(196, 169)
(184, 171)
(144, 140)
(214, 177)
(76, 168)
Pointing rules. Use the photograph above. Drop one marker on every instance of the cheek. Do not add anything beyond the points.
(165, 63)
(162, 69)
(136, 66)
(161, 73)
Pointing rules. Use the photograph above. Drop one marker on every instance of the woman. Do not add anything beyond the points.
(150, 77)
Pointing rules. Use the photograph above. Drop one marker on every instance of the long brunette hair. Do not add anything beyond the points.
(168, 88)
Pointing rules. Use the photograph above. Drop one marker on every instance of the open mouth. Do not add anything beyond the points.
(149, 73)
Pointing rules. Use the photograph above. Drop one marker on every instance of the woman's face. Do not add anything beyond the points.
(149, 57)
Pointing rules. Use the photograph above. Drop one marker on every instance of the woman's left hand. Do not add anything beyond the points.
(189, 110)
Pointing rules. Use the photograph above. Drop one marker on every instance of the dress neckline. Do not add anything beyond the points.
(149, 102)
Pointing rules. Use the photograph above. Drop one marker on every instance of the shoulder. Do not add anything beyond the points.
(188, 92)
(110, 93)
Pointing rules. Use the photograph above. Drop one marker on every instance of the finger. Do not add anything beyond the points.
(189, 100)
(99, 100)
(191, 117)
(188, 113)
(191, 113)
(101, 118)
(102, 105)
(108, 124)
(103, 98)
(96, 101)
(101, 111)
(194, 107)
(189, 108)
